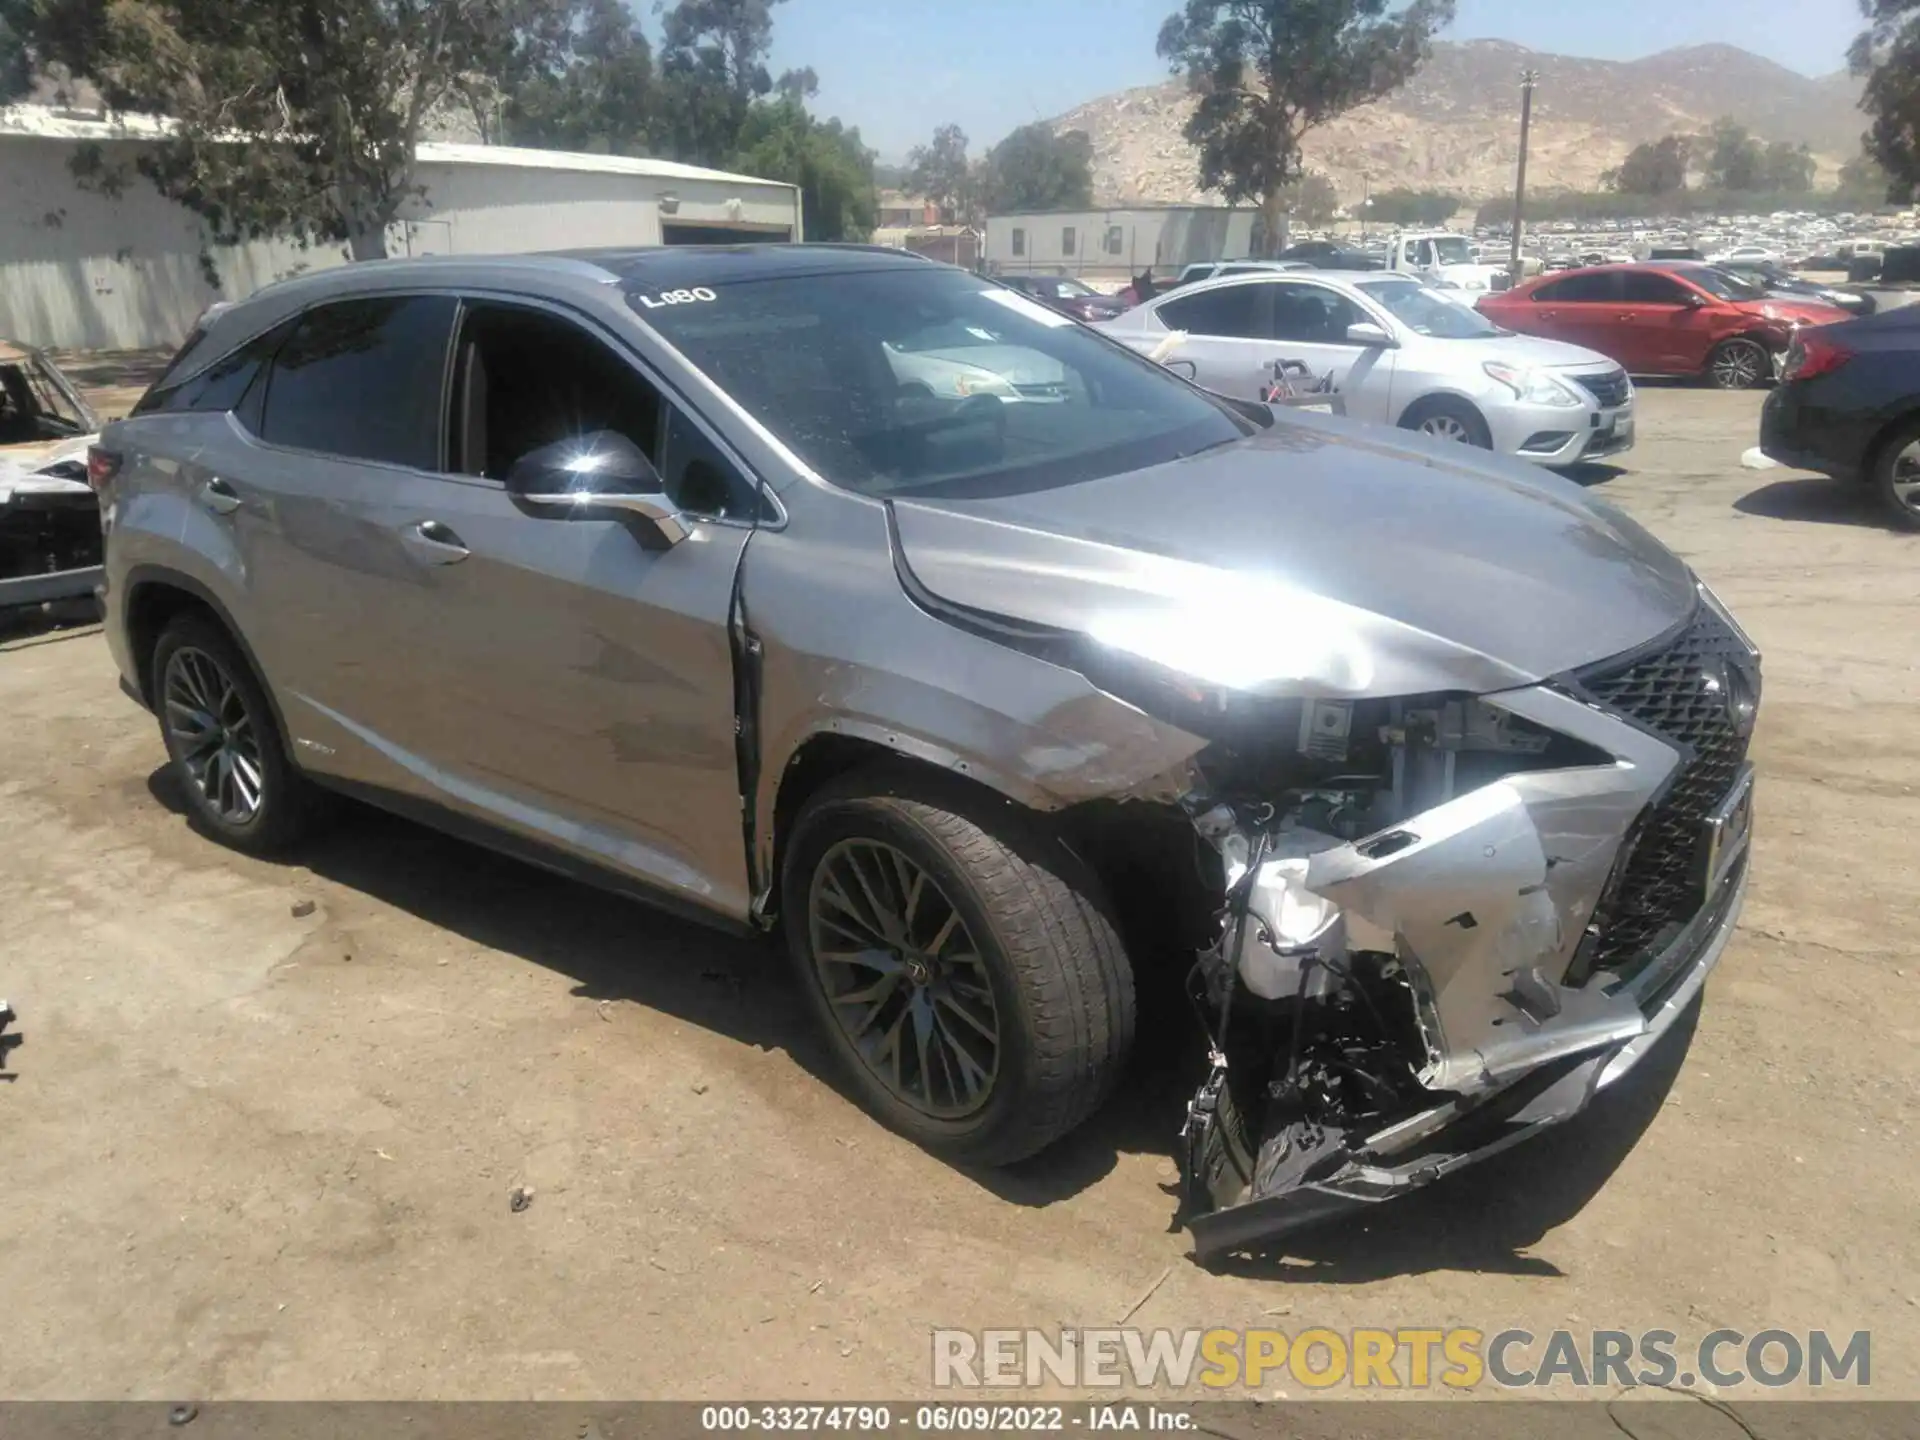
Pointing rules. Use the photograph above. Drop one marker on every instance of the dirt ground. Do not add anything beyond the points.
(255, 1152)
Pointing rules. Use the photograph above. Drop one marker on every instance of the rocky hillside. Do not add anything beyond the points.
(1456, 125)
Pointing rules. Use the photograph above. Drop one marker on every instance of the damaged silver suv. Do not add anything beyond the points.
(837, 591)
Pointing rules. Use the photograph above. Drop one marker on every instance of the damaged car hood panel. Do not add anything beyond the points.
(1382, 546)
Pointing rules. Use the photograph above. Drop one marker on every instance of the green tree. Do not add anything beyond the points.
(1036, 169)
(940, 172)
(1267, 72)
(298, 118)
(596, 92)
(713, 66)
(779, 140)
(1658, 167)
(1312, 199)
(1864, 182)
(1424, 208)
(1788, 168)
(1887, 56)
(1735, 160)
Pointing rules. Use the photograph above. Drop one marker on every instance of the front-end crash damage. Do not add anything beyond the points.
(1447, 886)
(1411, 971)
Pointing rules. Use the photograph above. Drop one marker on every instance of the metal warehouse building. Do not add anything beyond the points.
(1123, 241)
(81, 270)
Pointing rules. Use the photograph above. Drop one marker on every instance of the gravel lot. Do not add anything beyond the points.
(254, 1150)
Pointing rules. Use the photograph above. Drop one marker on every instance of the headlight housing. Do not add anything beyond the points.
(1532, 387)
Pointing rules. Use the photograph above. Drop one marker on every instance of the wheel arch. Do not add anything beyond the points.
(1883, 436)
(826, 755)
(155, 597)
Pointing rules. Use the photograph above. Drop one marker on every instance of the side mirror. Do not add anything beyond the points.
(1373, 337)
(595, 476)
(1696, 301)
(1185, 369)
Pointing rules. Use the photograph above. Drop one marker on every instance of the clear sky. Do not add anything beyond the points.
(898, 68)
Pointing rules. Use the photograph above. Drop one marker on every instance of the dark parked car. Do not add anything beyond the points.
(1326, 255)
(1069, 297)
(1769, 279)
(1667, 319)
(1848, 405)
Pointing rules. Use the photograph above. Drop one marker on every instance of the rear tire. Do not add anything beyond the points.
(960, 961)
(223, 740)
(1739, 364)
(1445, 418)
(1895, 475)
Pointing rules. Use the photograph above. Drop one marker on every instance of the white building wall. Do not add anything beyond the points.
(81, 270)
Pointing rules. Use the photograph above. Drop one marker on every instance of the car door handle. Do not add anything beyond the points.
(434, 543)
(218, 497)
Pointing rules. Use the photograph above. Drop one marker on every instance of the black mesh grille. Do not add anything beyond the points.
(1678, 692)
(1610, 389)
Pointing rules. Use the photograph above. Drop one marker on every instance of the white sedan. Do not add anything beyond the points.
(1396, 354)
(1745, 255)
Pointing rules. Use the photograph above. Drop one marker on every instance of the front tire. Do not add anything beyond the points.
(1739, 364)
(224, 742)
(1443, 418)
(960, 961)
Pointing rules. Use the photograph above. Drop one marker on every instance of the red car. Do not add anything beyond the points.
(1661, 319)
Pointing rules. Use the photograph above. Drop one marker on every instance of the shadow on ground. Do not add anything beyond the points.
(1593, 472)
(1484, 1218)
(1815, 498)
(616, 949)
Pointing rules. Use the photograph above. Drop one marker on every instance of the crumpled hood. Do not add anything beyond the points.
(1319, 557)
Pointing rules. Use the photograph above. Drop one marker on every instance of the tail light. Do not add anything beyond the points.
(102, 466)
(1813, 355)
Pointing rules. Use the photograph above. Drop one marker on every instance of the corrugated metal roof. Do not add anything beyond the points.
(47, 122)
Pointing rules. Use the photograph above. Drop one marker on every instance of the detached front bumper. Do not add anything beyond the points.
(1415, 1152)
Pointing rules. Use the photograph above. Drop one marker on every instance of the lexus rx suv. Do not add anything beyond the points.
(1422, 769)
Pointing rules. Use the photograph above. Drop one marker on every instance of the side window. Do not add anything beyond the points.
(1645, 287)
(1019, 241)
(1593, 289)
(699, 476)
(1234, 311)
(223, 385)
(1115, 240)
(525, 378)
(1409, 252)
(1313, 315)
(1066, 240)
(362, 379)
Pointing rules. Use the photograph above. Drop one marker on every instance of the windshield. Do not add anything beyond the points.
(1426, 313)
(1724, 286)
(927, 381)
(1453, 250)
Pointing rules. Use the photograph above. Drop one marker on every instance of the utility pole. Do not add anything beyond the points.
(1528, 79)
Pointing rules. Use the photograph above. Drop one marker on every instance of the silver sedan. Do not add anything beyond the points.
(1396, 353)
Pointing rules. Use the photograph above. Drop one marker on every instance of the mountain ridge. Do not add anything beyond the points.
(1455, 125)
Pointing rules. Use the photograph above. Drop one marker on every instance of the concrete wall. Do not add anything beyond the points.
(1117, 242)
(80, 270)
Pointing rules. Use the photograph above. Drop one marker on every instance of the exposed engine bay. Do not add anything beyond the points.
(1407, 971)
